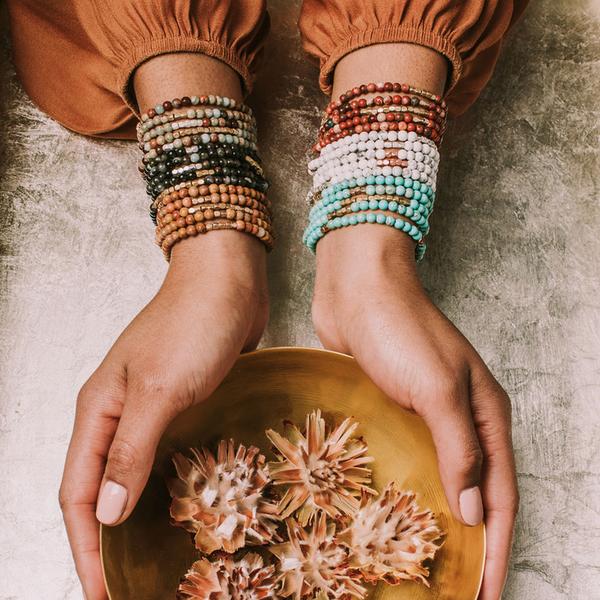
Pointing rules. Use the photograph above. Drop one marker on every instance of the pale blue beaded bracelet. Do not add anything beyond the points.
(320, 215)
(312, 238)
(417, 213)
(374, 184)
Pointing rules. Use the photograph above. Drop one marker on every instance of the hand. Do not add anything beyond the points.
(369, 303)
(211, 306)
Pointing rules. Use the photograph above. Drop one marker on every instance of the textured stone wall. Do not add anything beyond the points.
(513, 260)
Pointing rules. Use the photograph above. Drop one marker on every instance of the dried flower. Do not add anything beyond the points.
(389, 539)
(322, 469)
(228, 579)
(313, 564)
(220, 500)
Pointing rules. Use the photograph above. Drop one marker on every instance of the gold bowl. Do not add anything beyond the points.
(145, 557)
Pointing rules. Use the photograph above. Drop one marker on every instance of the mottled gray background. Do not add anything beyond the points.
(513, 261)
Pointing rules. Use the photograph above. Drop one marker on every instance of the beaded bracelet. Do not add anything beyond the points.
(216, 175)
(202, 169)
(185, 101)
(164, 124)
(377, 153)
(431, 127)
(206, 216)
(381, 115)
(167, 214)
(371, 88)
(201, 187)
(200, 228)
(331, 173)
(421, 164)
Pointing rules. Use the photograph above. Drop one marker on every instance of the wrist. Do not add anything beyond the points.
(360, 264)
(369, 251)
(221, 258)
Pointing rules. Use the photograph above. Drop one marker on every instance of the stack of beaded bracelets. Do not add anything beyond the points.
(377, 161)
(202, 169)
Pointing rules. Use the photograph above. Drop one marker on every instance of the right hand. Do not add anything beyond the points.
(212, 305)
(370, 303)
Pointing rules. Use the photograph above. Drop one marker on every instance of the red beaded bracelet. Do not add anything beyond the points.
(415, 126)
(382, 117)
(371, 88)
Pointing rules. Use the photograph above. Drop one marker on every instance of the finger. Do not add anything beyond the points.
(447, 413)
(491, 411)
(98, 407)
(148, 409)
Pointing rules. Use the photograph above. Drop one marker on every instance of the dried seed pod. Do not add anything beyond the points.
(389, 538)
(220, 499)
(312, 564)
(229, 579)
(322, 469)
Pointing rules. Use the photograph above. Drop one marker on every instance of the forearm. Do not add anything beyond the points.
(169, 76)
(404, 63)
(381, 248)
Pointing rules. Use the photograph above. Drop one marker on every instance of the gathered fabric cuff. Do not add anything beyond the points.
(146, 50)
(391, 34)
(468, 33)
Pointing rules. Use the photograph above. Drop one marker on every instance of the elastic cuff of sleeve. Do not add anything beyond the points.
(143, 52)
(389, 35)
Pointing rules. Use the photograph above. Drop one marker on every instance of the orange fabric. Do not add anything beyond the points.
(75, 58)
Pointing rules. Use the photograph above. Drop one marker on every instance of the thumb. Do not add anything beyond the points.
(449, 418)
(131, 456)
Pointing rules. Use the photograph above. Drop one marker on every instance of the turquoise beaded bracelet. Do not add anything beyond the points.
(311, 239)
(418, 214)
(374, 183)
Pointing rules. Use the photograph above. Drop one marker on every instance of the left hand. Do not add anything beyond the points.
(212, 305)
(370, 303)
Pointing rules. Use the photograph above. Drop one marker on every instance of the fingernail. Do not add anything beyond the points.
(111, 503)
(471, 506)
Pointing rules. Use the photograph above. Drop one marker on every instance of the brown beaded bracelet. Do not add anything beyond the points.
(197, 206)
(168, 231)
(194, 191)
(226, 199)
(210, 214)
(407, 122)
(200, 228)
(185, 212)
(382, 101)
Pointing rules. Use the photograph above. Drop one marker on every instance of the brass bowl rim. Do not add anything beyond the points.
(302, 350)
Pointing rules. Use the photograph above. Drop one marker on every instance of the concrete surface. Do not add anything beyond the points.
(513, 261)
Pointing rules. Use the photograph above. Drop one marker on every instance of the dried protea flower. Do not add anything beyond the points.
(389, 538)
(220, 500)
(229, 579)
(312, 564)
(322, 469)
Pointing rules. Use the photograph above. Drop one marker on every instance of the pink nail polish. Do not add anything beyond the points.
(111, 503)
(471, 506)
